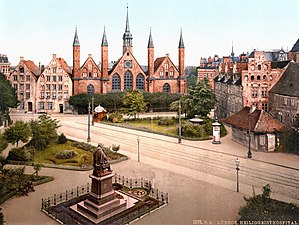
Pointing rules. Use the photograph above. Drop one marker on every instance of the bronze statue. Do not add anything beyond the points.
(100, 161)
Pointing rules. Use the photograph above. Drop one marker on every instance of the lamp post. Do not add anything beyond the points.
(180, 123)
(138, 141)
(237, 168)
(92, 109)
(88, 123)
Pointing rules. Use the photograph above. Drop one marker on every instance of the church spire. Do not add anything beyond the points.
(127, 37)
(232, 54)
(76, 39)
(150, 40)
(104, 39)
(181, 43)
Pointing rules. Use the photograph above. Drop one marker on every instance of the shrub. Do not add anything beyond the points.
(116, 117)
(84, 146)
(115, 148)
(165, 121)
(66, 154)
(193, 131)
(85, 159)
(208, 127)
(62, 139)
(19, 154)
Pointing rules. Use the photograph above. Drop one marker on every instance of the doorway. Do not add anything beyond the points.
(29, 106)
(60, 108)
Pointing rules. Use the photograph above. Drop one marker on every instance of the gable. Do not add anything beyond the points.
(163, 66)
(90, 68)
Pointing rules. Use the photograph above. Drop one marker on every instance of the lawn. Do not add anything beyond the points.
(48, 155)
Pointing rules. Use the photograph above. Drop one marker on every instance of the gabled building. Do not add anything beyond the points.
(293, 54)
(24, 78)
(54, 87)
(260, 125)
(264, 70)
(127, 74)
(284, 96)
(4, 65)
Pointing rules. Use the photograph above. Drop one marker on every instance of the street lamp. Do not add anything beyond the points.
(88, 123)
(138, 141)
(92, 109)
(180, 123)
(237, 168)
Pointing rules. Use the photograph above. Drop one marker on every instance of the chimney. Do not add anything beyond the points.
(89, 55)
(21, 58)
(54, 56)
(167, 55)
(39, 67)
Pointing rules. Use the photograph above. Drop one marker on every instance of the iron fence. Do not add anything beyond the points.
(133, 183)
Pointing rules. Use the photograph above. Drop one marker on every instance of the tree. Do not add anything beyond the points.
(1, 217)
(44, 131)
(19, 131)
(37, 167)
(3, 143)
(192, 78)
(8, 98)
(200, 99)
(134, 103)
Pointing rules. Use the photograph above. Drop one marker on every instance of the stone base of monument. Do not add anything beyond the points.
(103, 202)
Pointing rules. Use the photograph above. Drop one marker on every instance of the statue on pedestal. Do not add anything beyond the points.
(100, 162)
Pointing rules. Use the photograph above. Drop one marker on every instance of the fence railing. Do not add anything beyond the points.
(85, 189)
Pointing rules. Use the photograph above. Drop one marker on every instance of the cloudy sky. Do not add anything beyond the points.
(35, 29)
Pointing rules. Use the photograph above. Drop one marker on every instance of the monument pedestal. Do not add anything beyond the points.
(102, 203)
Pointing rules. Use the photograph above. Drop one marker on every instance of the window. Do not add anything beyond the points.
(41, 105)
(264, 91)
(95, 74)
(265, 77)
(166, 88)
(21, 69)
(271, 78)
(21, 78)
(15, 77)
(53, 87)
(252, 77)
(48, 87)
(54, 78)
(162, 72)
(140, 82)
(292, 102)
(59, 87)
(246, 77)
(285, 100)
(90, 89)
(89, 66)
(50, 105)
(22, 87)
(21, 105)
(27, 86)
(53, 95)
(48, 94)
(66, 94)
(42, 87)
(27, 95)
(15, 86)
(254, 92)
(59, 78)
(258, 77)
(115, 82)
(265, 106)
(66, 87)
(54, 70)
(166, 66)
(59, 95)
(262, 140)
(128, 81)
(259, 67)
(42, 95)
(27, 77)
(48, 78)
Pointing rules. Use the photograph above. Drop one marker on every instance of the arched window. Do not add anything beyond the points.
(90, 89)
(128, 81)
(265, 77)
(258, 77)
(259, 67)
(252, 77)
(116, 82)
(140, 82)
(166, 88)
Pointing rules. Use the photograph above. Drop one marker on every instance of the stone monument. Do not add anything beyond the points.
(103, 202)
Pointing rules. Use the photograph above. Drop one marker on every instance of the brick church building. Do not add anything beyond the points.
(161, 74)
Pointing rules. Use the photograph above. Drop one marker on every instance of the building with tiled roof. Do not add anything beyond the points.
(54, 87)
(4, 65)
(265, 68)
(260, 125)
(284, 96)
(293, 54)
(24, 79)
(126, 73)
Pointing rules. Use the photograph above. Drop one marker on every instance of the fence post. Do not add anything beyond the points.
(77, 191)
(142, 182)
(167, 198)
(54, 199)
(130, 183)
(42, 203)
(66, 195)
(123, 180)
(87, 187)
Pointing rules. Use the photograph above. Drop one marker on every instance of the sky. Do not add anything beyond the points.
(36, 29)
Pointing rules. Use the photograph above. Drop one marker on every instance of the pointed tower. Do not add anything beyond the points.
(181, 78)
(104, 66)
(150, 60)
(76, 55)
(232, 54)
(127, 37)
